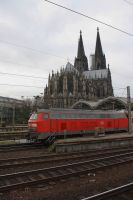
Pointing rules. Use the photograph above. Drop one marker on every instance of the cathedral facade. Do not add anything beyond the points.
(80, 81)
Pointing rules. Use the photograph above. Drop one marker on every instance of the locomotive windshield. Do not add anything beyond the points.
(45, 116)
(33, 116)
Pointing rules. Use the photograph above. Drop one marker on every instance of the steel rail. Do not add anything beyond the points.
(19, 147)
(111, 193)
(48, 158)
(45, 175)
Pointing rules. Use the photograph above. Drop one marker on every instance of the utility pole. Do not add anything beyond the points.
(13, 115)
(129, 110)
(1, 116)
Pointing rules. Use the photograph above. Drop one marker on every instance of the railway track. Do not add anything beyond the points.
(19, 147)
(45, 175)
(124, 192)
(56, 158)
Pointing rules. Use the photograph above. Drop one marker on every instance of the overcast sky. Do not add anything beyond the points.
(36, 37)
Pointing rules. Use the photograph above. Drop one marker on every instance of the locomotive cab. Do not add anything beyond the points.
(33, 125)
(38, 125)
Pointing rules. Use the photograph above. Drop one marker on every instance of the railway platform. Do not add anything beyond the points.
(94, 142)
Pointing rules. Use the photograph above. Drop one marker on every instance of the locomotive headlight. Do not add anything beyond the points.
(33, 125)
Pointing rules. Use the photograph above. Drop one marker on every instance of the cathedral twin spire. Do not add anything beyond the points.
(81, 62)
(78, 82)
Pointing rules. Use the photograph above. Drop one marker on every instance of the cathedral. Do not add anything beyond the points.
(80, 81)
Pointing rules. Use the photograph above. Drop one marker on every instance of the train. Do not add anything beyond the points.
(52, 123)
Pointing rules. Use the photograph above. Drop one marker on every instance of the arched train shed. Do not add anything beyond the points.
(109, 103)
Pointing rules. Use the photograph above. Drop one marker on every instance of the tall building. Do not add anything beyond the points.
(78, 81)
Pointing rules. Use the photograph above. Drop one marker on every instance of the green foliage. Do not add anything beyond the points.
(22, 114)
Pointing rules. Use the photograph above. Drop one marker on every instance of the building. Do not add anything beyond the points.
(80, 81)
(9, 109)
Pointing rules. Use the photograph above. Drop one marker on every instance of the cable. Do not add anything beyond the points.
(23, 75)
(124, 92)
(121, 93)
(117, 88)
(31, 49)
(96, 20)
(20, 85)
(128, 2)
(15, 63)
(39, 77)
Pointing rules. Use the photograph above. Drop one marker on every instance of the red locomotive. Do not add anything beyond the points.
(57, 122)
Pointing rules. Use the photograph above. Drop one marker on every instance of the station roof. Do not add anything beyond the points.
(119, 102)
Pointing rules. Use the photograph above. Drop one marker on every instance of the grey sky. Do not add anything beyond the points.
(46, 29)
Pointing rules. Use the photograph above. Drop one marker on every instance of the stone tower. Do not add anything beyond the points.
(100, 60)
(81, 62)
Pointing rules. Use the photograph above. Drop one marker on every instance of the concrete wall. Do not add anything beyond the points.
(91, 145)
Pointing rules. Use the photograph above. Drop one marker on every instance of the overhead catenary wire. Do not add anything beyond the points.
(21, 64)
(31, 76)
(124, 93)
(5, 84)
(128, 2)
(121, 91)
(118, 88)
(15, 63)
(91, 18)
(32, 49)
(42, 87)
(44, 78)
(115, 88)
(23, 75)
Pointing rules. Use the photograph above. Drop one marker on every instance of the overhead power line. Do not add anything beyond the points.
(94, 19)
(128, 2)
(20, 85)
(117, 88)
(124, 93)
(23, 75)
(40, 77)
(31, 49)
(15, 63)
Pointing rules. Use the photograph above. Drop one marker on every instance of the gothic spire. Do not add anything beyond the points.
(81, 51)
(98, 49)
(100, 61)
(81, 62)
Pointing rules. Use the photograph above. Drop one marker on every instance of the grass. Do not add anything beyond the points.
(5, 142)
